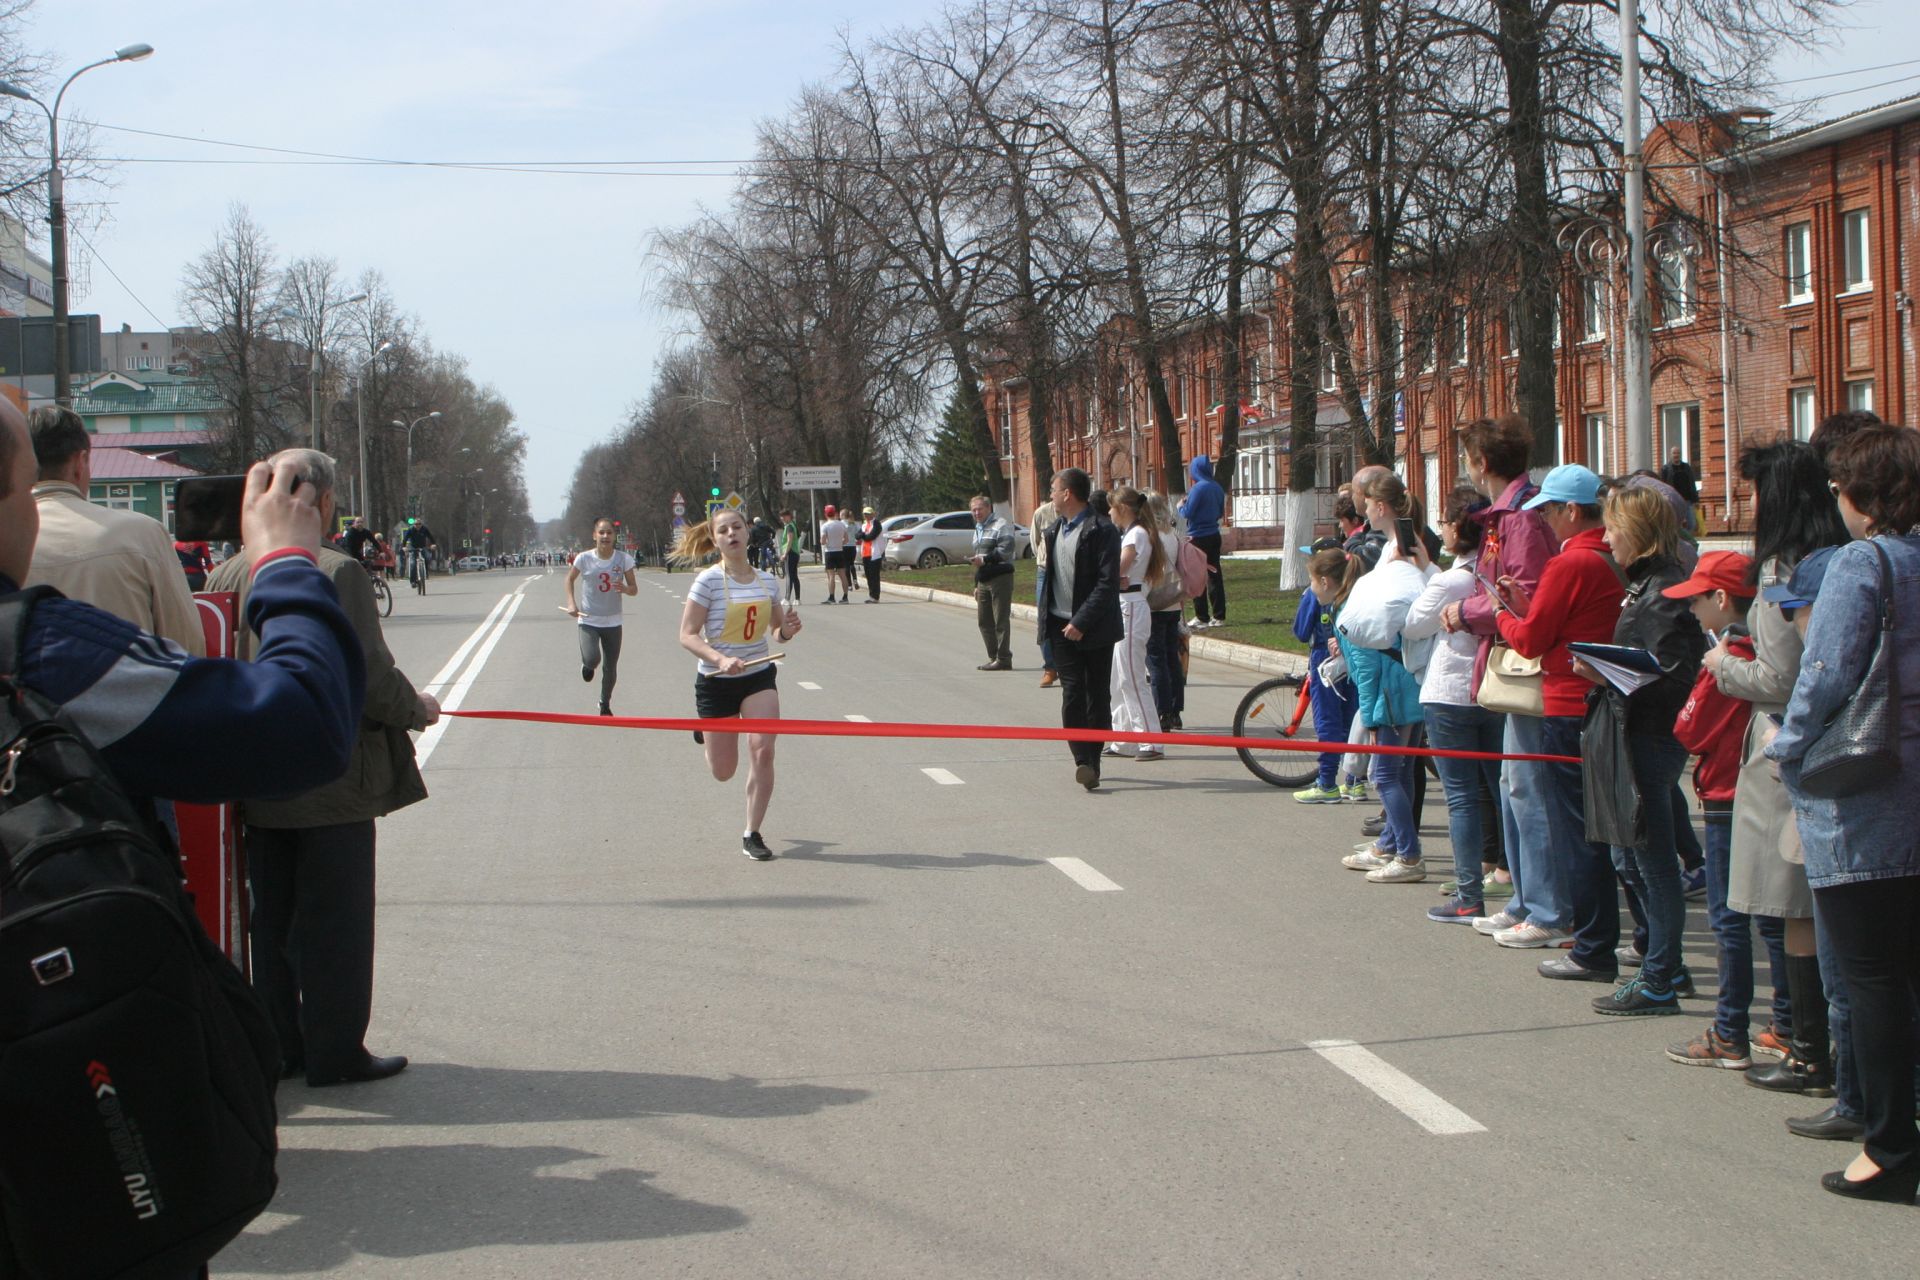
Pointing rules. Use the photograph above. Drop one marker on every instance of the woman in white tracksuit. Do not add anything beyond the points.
(1143, 563)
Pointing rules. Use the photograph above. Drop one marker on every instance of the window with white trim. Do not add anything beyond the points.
(1593, 308)
(1460, 337)
(1856, 266)
(1800, 412)
(1594, 429)
(1797, 264)
(1679, 429)
(1860, 394)
(1674, 275)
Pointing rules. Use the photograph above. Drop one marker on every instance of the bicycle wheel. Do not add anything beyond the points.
(382, 598)
(1265, 712)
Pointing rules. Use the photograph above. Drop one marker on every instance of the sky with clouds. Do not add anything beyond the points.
(538, 279)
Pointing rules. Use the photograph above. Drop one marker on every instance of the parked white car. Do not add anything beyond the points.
(468, 563)
(943, 539)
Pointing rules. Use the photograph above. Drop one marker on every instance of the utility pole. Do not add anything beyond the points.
(1637, 357)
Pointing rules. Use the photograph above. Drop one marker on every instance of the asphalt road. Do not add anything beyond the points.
(913, 1046)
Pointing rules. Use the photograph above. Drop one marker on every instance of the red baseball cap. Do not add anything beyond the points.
(1726, 571)
(827, 511)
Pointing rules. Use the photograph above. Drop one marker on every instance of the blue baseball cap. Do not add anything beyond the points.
(1800, 590)
(1569, 483)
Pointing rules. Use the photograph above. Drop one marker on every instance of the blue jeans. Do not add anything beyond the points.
(1333, 711)
(1657, 762)
(1451, 728)
(1163, 663)
(1539, 885)
(1847, 1099)
(1593, 901)
(1733, 932)
(1393, 776)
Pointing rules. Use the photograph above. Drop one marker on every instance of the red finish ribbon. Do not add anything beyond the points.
(896, 729)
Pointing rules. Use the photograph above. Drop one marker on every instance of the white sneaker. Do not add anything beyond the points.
(1527, 934)
(1398, 872)
(1367, 859)
(1496, 922)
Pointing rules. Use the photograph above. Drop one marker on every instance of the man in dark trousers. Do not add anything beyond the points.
(311, 855)
(1679, 474)
(1080, 614)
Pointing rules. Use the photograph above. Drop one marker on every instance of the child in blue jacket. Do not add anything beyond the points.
(1332, 573)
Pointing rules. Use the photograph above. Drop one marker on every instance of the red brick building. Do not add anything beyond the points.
(1779, 293)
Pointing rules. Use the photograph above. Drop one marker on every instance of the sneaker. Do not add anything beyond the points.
(1367, 859)
(1771, 1043)
(1456, 911)
(1629, 956)
(1354, 791)
(1399, 871)
(606, 709)
(1710, 1049)
(1318, 795)
(1496, 922)
(586, 674)
(1683, 983)
(1491, 888)
(1635, 999)
(1374, 826)
(1527, 934)
(754, 847)
(1150, 753)
(1112, 749)
(1567, 969)
(1087, 776)
(1693, 884)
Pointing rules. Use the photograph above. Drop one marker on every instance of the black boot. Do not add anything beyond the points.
(1808, 1066)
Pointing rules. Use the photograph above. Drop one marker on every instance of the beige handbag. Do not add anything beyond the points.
(1512, 685)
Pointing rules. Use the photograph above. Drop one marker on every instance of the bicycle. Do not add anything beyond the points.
(1263, 713)
(417, 571)
(382, 595)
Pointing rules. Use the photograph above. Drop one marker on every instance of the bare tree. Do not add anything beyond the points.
(229, 293)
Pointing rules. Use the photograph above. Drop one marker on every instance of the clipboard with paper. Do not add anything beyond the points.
(1626, 667)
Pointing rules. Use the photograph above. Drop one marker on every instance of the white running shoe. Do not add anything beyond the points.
(1496, 922)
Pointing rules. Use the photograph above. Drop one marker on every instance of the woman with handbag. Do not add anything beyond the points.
(1567, 879)
(1637, 727)
(1849, 753)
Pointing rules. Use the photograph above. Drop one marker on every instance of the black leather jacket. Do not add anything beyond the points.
(1667, 629)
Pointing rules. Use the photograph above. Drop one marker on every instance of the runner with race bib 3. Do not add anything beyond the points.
(733, 611)
(595, 582)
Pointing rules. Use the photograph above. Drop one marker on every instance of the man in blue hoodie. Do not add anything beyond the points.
(1205, 502)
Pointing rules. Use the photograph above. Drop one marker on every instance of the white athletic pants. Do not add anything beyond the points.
(1133, 709)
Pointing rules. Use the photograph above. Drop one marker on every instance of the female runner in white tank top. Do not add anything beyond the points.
(732, 611)
(1142, 562)
(595, 582)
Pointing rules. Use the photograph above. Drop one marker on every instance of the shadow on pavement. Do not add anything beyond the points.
(815, 851)
(410, 1201)
(771, 902)
(436, 1093)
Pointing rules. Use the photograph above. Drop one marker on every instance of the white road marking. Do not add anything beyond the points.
(423, 750)
(445, 673)
(860, 719)
(808, 684)
(1414, 1100)
(1083, 875)
(944, 778)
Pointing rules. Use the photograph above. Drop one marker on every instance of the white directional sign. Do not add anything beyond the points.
(809, 477)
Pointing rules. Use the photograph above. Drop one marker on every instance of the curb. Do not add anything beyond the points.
(1248, 657)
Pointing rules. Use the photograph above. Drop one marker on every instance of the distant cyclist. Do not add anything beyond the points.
(417, 542)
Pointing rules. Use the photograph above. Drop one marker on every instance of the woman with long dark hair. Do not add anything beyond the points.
(1794, 518)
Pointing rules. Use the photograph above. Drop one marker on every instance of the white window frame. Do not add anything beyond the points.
(1598, 435)
(1461, 330)
(1856, 250)
(1686, 414)
(1800, 412)
(1796, 252)
(1860, 394)
(1676, 288)
(1329, 379)
(1596, 307)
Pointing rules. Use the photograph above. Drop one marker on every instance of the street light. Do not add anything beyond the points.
(408, 428)
(360, 419)
(57, 211)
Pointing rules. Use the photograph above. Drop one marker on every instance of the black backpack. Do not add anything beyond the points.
(137, 1068)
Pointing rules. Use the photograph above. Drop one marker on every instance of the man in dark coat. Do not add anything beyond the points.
(1080, 614)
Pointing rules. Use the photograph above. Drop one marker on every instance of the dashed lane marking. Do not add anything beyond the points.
(810, 685)
(860, 719)
(1083, 875)
(944, 778)
(1414, 1100)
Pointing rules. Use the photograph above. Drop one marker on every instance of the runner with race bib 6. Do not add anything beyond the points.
(595, 583)
(732, 611)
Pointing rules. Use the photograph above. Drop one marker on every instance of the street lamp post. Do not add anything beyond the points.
(316, 340)
(409, 426)
(57, 211)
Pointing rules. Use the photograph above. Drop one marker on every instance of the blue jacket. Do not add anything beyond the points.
(1388, 692)
(209, 729)
(1870, 835)
(1313, 627)
(1205, 502)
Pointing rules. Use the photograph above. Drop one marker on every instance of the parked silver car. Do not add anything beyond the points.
(943, 539)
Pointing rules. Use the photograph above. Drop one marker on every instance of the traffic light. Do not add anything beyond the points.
(487, 531)
(713, 491)
(412, 520)
(616, 524)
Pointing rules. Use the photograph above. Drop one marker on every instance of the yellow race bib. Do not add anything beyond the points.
(748, 622)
